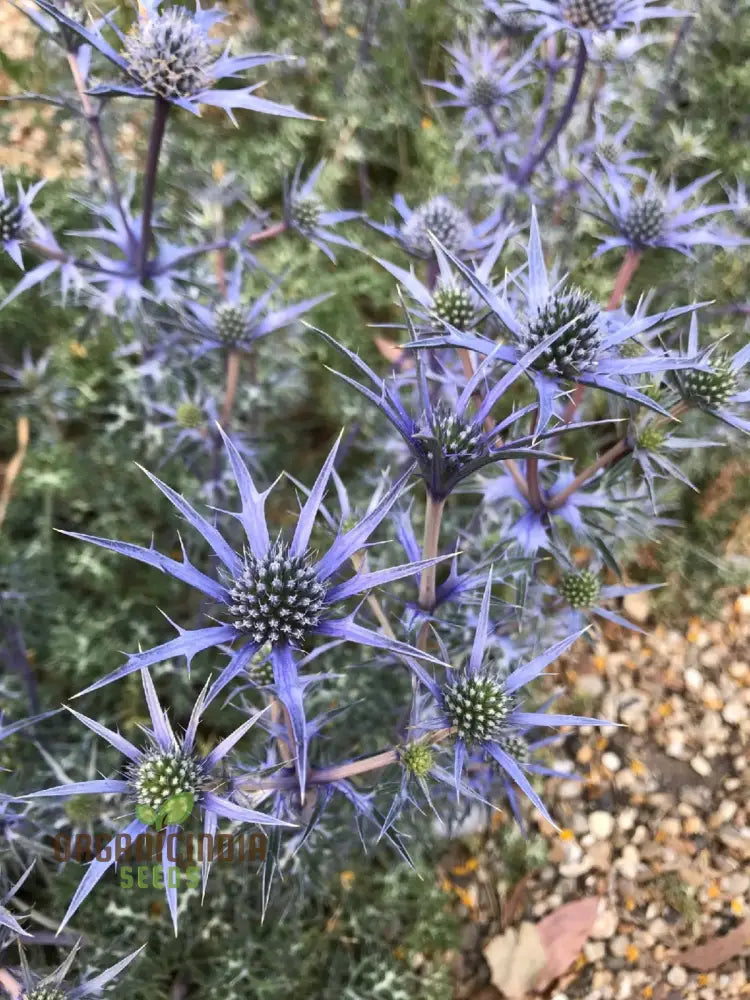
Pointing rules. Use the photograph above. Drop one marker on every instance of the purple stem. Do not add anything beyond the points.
(532, 160)
(161, 110)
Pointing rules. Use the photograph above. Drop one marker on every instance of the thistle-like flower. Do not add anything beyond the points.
(170, 55)
(561, 333)
(235, 324)
(306, 214)
(717, 391)
(586, 18)
(584, 597)
(15, 218)
(482, 707)
(440, 217)
(168, 767)
(657, 217)
(54, 987)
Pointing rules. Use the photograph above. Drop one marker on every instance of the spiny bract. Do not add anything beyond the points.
(644, 220)
(477, 707)
(577, 349)
(170, 54)
(590, 13)
(277, 598)
(439, 216)
(580, 590)
(163, 774)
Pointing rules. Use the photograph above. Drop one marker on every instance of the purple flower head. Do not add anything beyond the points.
(8, 923)
(559, 333)
(232, 323)
(167, 768)
(16, 218)
(585, 18)
(440, 217)
(306, 214)
(447, 439)
(717, 391)
(169, 55)
(580, 598)
(54, 987)
(657, 217)
(483, 708)
(485, 79)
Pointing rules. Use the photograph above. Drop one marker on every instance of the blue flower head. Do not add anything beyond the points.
(169, 55)
(54, 986)
(448, 224)
(483, 709)
(16, 218)
(167, 767)
(586, 18)
(306, 214)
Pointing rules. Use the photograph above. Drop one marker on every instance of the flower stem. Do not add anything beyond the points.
(266, 234)
(617, 450)
(92, 118)
(158, 127)
(532, 160)
(10, 984)
(230, 392)
(625, 275)
(432, 520)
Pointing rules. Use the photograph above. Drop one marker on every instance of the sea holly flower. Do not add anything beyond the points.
(15, 218)
(656, 216)
(275, 592)
(168, 772)
(234, 324)
(483, 708)
(484, 78)
(565, 332)
(169, 55)
(54, 986)
(448, 441)
(584, 18)
(306, 214)
(717, 391)
(450, 225)
(449, 299)
(583, 597)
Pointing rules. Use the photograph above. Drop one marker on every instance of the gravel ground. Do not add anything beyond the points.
(659, 829)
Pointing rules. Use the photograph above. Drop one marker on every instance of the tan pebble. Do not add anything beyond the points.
(701, 766)
(677, 976)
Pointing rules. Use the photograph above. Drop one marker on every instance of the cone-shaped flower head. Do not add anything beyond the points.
(170, 54)
(577, 348)
(439, 216)
(581, 589)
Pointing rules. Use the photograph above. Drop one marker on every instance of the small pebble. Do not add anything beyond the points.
(677, 976)
(701, 766)
(601, 824)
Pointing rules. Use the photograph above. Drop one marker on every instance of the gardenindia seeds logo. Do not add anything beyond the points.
(162, 858)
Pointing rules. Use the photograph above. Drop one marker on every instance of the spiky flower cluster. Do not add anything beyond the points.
(162, 774)
(170, 54)
(189, 415)
(477, 707)
(580, 590)
(44, 993)
(11, 219)
(577, 349)
(305, 212)
(651, 437)
(417, 758)
(597, 14)
(439, 216)
(230, 323)
(459, 442)
(277, 598)
(644, 220)
(711, 389)
(484, 91)
(453, 304)
(515, 746)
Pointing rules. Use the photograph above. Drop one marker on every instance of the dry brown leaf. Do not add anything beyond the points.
(515, 959)
(712, 954)
(563, 934)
